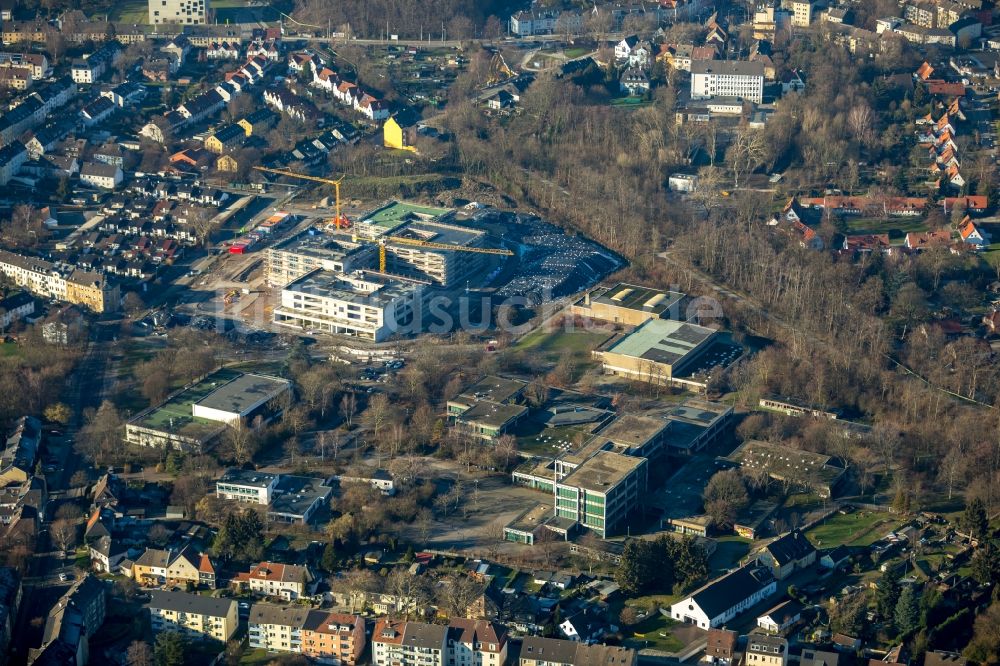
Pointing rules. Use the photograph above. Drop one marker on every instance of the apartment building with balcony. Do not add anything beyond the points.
(196, 616)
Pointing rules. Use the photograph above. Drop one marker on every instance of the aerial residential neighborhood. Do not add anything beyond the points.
(499, 333)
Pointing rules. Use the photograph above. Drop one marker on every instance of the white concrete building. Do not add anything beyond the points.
(249, 486)
(727, 78)
(360, 304)
(186, 12)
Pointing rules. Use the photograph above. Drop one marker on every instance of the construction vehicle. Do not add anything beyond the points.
(499, 71)
(383, 241)
(230, 296)
(340, 221)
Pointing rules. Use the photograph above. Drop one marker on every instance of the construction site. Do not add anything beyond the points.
(390, 271)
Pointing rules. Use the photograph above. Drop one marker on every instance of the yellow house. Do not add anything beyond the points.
(258, 121)
(227, 163)
(392, 136)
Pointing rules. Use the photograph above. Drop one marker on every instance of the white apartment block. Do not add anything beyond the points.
(193, 615)
(188, 12)
(727, 78)
(248, 486)
(362, 305)
(409, 644)
(36, 275)
(802, 11)
(277, 628)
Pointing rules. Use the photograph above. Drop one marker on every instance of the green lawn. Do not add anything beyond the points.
(632, 102)
(575, 53)
(896, 227)
(257, 657)
(130, 11)
(861, 528)
(729, 551)
(559, 340)
(654, 632)
(9, 349)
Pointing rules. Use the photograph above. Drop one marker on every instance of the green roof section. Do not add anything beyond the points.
(175, 414)
(662, 340)
(395, 213)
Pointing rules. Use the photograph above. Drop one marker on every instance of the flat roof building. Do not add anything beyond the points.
(656, 351)
(600, 493)
(246, 485)
(392, 215)
(795, 467)
(301, 254)
(193, 417)
(360, 304)
(694, 424)
(630, 304)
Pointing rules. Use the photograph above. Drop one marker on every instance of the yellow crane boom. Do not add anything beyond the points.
(386, 240)
(316, 179)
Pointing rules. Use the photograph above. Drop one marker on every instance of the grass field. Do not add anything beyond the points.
(560, 340)
(574, 53)
(729, 551)
(654, 632)
(853, 529)
(9, 349)
(896, 227)
(630, 102)
(130, 11)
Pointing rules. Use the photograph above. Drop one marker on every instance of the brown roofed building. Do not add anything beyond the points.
(721, 646)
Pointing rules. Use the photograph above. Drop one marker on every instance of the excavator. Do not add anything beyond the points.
(499, 71)
(382, 241)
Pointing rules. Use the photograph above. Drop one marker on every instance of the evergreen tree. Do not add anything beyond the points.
(907, 611)
(330, 558)
(986, 564)
(887, 594)
(169, 650)
(974, 519)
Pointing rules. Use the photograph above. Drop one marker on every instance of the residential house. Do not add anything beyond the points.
(537, 651)
(15, 307)
(272, 579)
(845, 644)
(71, 624)
(836, 557)
(17, 78)
(173, 567)
(104, 176)
(867, 243)
(20, 453)
(106, 553)
(624, 48)
(719, 601)
(225, 139)
(397, 643)
(720, 647)
(194, 615)
(634, 81)
(766, 651)
(810, 657)
(789, 553)
(919, 241)
(333, 638)
(258, 121)
(780, 618)
(12, 158)
(972, 235)
(276, 628)
(227, 163)
(97, 110)
(223, 50)
(476, 643)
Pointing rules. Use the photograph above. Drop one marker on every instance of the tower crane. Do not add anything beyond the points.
(339, 220)
(383, 241)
